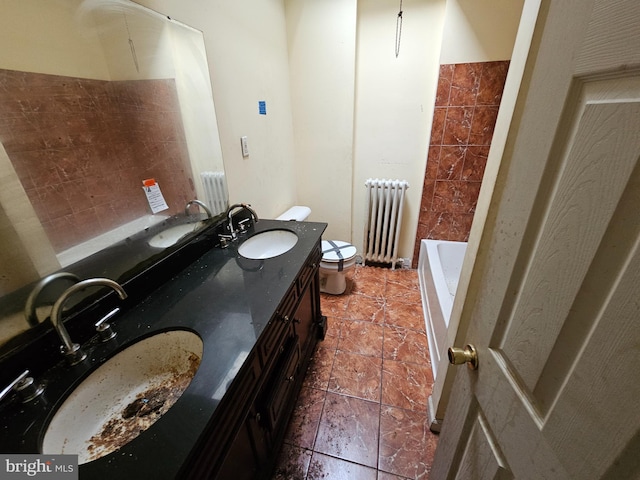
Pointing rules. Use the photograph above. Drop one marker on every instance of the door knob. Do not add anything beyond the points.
(468, 355)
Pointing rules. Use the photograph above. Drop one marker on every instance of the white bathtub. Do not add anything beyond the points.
(439, 267)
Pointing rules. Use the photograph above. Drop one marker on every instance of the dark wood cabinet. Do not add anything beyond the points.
(267, 391)
(285, 374)
(241, 462)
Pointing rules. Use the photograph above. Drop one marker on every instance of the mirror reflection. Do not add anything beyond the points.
(107, 127)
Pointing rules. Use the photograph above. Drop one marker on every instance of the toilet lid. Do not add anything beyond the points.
(337, 251)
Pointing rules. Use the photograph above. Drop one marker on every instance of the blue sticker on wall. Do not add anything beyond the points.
(262, 107)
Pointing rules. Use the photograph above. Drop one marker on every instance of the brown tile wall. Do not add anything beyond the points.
(81, 149)
(465, 114)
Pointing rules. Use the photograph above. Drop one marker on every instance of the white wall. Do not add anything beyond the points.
(480, 30)
(322, 51)
(340, 106)
(329, 75)
(394, 103)
(79, 56)
(149, 54)
(193, 85)
(358, 111)
(246, 45)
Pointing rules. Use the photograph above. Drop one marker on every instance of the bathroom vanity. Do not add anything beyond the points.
(259, 322)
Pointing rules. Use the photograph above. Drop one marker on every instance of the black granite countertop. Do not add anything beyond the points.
(224, 298)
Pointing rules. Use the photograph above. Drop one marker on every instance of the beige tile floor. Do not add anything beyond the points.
(362, 412)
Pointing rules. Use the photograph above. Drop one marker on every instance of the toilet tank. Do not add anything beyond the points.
(298, 213)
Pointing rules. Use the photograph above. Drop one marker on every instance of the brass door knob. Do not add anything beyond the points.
(468, 355)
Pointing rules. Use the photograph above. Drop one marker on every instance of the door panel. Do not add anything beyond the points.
(574, 217)
(602, 382)
(611, 259)
(556, 303)
(482, 459)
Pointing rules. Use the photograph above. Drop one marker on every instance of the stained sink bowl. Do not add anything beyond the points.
(268, 244)
(171, 236)
(124, 396)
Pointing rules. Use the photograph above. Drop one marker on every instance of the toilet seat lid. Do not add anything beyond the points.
(337, 251)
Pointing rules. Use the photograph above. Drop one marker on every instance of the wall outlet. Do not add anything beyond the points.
(245, 146)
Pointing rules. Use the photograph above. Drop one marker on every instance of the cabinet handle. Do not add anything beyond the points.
(285, 319)
(258, 417)
(291, 378)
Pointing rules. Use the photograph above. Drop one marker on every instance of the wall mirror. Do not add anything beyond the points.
(96, 96)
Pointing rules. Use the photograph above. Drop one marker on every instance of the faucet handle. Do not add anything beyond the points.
(24, 386)
(103, 328)
(243, 225)
(224, 240)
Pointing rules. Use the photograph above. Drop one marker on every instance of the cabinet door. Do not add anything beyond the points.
(259, 436)
(240, 463)
(285, 377)
(303, 319)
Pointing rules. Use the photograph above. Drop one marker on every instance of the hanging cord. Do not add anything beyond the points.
(398, 30)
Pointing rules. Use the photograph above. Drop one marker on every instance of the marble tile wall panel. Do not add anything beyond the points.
(467, 102)
(82, 147)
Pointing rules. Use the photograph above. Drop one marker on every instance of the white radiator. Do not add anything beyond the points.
(383, 211)
(215, 191)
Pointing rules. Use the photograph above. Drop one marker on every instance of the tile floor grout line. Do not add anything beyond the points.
(338, 309)
(380, 398)
(315, 437)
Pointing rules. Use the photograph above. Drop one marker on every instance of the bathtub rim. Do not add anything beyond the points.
(442, 289)
(437, 304)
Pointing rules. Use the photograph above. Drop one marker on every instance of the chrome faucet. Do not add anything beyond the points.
(230, 210)
(201, 204)
(71, 350)
(30, 306)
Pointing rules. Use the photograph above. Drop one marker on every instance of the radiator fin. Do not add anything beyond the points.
(383, 211)
(215, 191)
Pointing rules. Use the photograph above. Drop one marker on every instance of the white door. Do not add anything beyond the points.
(554, 295)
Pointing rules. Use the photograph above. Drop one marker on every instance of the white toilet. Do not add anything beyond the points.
(337, 259)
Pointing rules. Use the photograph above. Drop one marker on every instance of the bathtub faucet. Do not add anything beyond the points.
(72, 351)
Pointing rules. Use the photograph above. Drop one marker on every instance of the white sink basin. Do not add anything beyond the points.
(170, 236)
(268, 244)
(124, 396)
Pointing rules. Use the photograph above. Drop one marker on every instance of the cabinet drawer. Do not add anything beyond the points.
(277, 327)
(309, 268)
(282, 383)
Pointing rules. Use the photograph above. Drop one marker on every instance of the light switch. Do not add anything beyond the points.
(245, 146)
